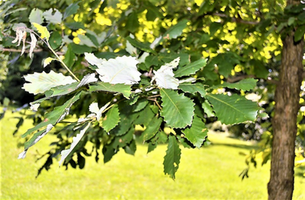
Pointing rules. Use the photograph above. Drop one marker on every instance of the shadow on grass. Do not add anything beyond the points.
(240, 146)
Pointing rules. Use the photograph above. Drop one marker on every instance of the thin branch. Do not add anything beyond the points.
(241, 77)
(238, 78)
(26, 51)
(237, 20)
(19, 50)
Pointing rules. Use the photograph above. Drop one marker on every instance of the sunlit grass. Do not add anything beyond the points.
(208, 173)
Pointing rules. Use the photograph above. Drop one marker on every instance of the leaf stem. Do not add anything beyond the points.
(57, 57)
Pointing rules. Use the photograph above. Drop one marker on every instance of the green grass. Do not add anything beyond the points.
(207, 173)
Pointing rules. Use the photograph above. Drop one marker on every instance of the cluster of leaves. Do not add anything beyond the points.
(145, 68)
(156, 90)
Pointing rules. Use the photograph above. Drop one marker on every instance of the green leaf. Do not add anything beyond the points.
(130, 148)
(37, 136)
(152, 128)
(53, 18)
(55, 40)
(41, 82)
(70, 57)
(208, 109)
(51, 119)
(176, 30)
(291, 20)
(85, 40)
(226, 62)
(140, 45)
(36, 16)
(192, 88)
(44, 33)
(71, 10)
(233, 109)
(141, 104)
(214, 28)
(56, 115)
(120, 88)
(191, 68)
(197, 133)
(75, 25)
(111, 119)
(80, 49)
(299, 33)
(245, 84)
(172, 157)
(76, 140)
(132, 23)
(177, 109)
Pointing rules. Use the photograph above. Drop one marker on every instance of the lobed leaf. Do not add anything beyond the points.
(172, 157)
(233, 109)
(177, 110)
(43, 31)
(53, 18)
(41, 82)
(164, 76)
(118, 70)
(36, 16)
(111, 119)
(197, 133)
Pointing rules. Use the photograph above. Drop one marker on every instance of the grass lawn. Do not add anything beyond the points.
(207, 173)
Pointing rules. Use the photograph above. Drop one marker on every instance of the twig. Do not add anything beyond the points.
(19, 50)
(237, 20)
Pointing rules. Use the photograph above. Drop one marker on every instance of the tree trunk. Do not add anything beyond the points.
(284, 122)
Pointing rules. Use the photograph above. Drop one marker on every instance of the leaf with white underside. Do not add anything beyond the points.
(75, 141)
(96, 110)
(93, 60)
(172, 157)
(51, 119)
(118, 70)
(41, 82)
(53, 16)
(33, 44)
(197, 132)
(233, 109)
(164, 76)
(191, 68)
(34, 140)
(177, 110)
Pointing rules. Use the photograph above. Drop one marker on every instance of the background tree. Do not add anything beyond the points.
(241, 41)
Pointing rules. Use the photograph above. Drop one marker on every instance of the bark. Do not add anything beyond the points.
(284, 122)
